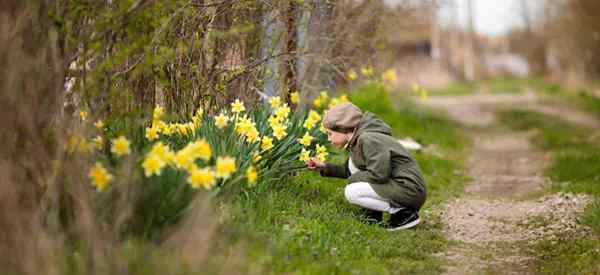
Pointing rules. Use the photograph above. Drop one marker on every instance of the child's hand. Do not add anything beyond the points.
(313, 164)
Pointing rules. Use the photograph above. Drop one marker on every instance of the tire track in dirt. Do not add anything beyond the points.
(490, 224)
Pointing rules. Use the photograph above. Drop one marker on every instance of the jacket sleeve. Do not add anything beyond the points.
(336, 171)
(378, 162)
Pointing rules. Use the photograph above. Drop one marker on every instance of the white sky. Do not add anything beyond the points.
(492, 17)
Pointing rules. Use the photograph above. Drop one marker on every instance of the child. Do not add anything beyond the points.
(382, 175)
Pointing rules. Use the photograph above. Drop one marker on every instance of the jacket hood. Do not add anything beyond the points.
(372, 124)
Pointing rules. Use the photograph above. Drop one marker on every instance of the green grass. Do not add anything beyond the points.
(305, 226)
(574, 168)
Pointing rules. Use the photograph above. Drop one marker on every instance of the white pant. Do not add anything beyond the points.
(362, 194)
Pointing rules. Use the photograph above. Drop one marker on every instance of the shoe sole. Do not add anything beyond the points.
(406, 226)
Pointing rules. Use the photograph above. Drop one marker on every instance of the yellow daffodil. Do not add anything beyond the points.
(273, 120)
(221, 121)
(251, 175)
(390, 76)
(252, 135)
(322, 156)
(351, 74)
(162, 151)
(99, 176)
(304, 155)
(237, 106)
(279, 131)
(295, 97)
(99, 125)
(367, 71)
(317, 102)
(225, 167)
(153, 165)
(152, 133)
(183, 159)
(98, 142)
(344, 98)
(267, 143)
(322, 129)
(120, 146)
(334, 101)
(312, 114)
(158, 113)
(256, 157)
(321, 149)
(83, 115)
(282, 112)
(204, 177)
(200, 149)
(275, 102)
(306, 140)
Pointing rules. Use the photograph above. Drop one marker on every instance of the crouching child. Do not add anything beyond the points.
(382, 175)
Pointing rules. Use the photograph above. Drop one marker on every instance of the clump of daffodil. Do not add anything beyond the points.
(201, 177)
(99, 176)
(221, 121)
(83, 115)
(390, 76)
(321, 101)
(266, 143)
(197, 118)
(247, 128)
(275, 102)
(120, 146)
(237, 106)
(99, 124)
(304, 155)
(351, 74)
(367, 71)
(295, 97)
(321, 152)
(251, 175)
(306, 140)
(312, 120)
(225, 167)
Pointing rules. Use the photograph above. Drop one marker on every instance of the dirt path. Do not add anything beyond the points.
(492, 223)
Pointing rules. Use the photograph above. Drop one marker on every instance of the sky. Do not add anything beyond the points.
(492, 17)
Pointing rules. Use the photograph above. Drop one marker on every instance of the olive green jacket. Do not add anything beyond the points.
(383, 163)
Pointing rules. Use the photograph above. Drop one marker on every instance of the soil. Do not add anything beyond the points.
(507, 204)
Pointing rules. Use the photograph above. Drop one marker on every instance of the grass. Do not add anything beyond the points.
(574, 168)
(305, 226)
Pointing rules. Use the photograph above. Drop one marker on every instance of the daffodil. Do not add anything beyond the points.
(225, 167)
(83, 115)
(152, 133)
(334, 101)
(273, 120)
(275, 102)
(295, 97)
(251, 175)
(351, 74)
(201, 177)
(252, 135)
(390, 76)
(98, 142)
(256, 157)
(321, 149)
(99, 176)
(322, 129)
(158, 113)
(282, 112)
(306, 140)
(120, 146)
(221, 121)
(367, 71)
(322, 156)
(237, 106)
(267, 143)
(99, 124)
(304, 155)
(200, 149)
(183, 159)
(317, 102)
(153, 165)
(344, 98)
(161, 150)
(279, 131)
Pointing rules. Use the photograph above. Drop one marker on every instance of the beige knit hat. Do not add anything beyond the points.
(343, 117)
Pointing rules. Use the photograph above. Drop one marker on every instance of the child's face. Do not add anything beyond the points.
(338, 139)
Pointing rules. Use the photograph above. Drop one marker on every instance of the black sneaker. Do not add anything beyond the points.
(372, 216)
(403, 219)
